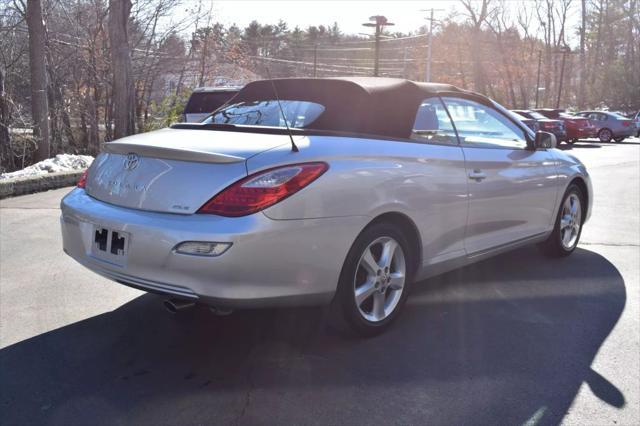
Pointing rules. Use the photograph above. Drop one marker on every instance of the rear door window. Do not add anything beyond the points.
(432, 124)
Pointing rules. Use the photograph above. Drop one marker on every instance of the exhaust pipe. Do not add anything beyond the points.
(221, 312)
(176, 305)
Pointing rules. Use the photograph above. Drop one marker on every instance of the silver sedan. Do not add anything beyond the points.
(318, 191)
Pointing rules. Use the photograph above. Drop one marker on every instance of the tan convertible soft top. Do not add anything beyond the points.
(365, 105)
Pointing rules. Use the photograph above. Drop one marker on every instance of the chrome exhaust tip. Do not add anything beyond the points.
(176, 305)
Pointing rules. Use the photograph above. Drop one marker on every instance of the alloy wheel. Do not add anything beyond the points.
(570, 221)
(605, 135)
(380, 279)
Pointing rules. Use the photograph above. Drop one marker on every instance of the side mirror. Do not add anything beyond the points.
(544, 140)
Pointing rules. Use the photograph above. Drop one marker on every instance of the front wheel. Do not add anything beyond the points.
(568, 227)
(374, 280)
(605, 135)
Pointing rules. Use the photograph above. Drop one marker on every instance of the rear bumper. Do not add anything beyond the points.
(626, 132)
(270, 262)
(589, 132)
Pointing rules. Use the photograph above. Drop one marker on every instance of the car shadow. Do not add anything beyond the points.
(567, 147)
(507, 341)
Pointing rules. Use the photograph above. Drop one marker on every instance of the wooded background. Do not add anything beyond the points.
(76, 73)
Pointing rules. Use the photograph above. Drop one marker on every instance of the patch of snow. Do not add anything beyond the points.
(60, 163)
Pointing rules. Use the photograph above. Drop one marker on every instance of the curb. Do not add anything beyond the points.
(31, 184)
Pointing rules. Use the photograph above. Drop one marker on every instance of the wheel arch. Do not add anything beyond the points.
(409, 230)
(580, 183)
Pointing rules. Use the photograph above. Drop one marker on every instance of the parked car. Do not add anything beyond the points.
(546, 124)
(610, 125)
(204, 100)
(576, 127)
(343, 191)
(529, 122)
(636, 119)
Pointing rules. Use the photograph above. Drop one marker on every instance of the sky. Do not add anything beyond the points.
(406, 15)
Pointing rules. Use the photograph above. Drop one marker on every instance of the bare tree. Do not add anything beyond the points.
(123, 88)
(39, 101)
(478, 18)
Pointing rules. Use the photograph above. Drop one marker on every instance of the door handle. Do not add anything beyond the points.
(477, 175)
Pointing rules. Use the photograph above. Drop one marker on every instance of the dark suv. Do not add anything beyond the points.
(204, 100)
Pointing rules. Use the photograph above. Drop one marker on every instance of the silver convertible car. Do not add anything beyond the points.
(317, 191)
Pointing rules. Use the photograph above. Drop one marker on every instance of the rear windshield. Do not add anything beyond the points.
(299, 114)
(206, 102)
(551, 114)
(618, 116)
(537, 115)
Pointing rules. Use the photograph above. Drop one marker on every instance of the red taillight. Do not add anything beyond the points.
(626, 123)
(548, 125)
(263, 189)
(82, 182)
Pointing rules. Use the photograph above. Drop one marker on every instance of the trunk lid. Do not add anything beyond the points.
(173, 170)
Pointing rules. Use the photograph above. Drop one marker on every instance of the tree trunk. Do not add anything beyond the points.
(39, 104)
(6, 153)
(123, 88)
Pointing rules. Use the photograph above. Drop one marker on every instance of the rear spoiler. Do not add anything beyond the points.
(169, 153)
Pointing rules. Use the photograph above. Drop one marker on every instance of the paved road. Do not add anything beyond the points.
(517, 339)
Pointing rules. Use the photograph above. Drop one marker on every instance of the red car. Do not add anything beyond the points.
(576, 127)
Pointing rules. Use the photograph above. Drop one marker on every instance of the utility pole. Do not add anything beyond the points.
(430, 43)
(404, 61)
(315, 60)
(565, 49)
(538, 79)
(379, 22)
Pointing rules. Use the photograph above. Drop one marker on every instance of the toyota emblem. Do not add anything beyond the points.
(132, 161)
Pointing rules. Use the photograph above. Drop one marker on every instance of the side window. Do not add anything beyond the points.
(432, 124)
(482, 126)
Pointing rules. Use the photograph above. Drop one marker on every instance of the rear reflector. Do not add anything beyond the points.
(263, 189)
(202, 248)
(82, 182)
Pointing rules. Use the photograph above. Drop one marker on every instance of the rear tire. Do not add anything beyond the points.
(605, 135)
(568, 226)
(375, 279)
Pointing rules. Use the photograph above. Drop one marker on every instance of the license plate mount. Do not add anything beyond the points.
(110, 245)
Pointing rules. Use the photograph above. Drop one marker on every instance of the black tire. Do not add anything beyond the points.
(618, 140)
(605, 135)
(344, 303)
(553, 246)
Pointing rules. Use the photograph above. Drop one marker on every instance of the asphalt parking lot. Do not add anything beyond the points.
(517, 339)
